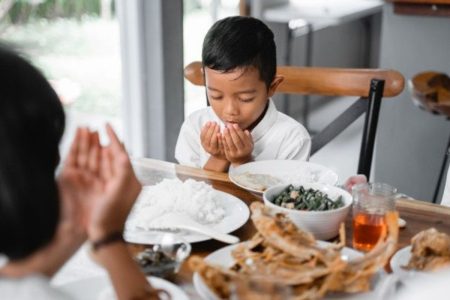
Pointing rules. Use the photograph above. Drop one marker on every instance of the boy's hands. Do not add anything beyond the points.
(237, 144)
(233, 145)
(211, 140)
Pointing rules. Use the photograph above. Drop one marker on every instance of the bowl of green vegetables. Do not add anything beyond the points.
(314, 207)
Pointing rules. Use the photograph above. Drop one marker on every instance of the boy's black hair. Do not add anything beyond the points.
(31, 126)
(239, 42)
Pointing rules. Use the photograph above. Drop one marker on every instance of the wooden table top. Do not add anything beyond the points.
(419, 215)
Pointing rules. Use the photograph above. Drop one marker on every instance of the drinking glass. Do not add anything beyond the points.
(371, 202)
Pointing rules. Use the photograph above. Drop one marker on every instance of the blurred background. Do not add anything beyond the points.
(121, 61)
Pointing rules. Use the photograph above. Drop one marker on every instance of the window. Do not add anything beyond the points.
(76, 45)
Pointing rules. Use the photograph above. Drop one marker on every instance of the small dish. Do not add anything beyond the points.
(323, 225)
(165, 258)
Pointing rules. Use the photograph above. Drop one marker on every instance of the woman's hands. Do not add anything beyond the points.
(119, 186)
(100, 180)
(106, 188)
(97, 189)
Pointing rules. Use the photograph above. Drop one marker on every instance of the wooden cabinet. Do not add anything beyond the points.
(438, 8)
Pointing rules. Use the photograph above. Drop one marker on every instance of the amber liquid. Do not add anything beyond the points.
(367, 229)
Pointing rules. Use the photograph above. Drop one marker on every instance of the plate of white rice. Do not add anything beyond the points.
(198, 200)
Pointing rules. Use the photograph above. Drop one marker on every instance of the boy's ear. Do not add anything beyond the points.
(274, 85)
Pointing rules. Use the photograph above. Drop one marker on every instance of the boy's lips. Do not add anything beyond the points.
(231, 123)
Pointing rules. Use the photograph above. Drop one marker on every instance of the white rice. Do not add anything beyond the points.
(196, 199)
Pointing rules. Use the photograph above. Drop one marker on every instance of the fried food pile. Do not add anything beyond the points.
(282, 253)
(430, 251)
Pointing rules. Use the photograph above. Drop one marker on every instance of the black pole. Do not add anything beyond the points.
(441, 173)
(370, 126)
(287, 60)
(308, 63)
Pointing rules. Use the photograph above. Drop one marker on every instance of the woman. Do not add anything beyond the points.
(43, 219)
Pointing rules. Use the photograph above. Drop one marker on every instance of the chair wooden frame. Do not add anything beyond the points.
(369, 85)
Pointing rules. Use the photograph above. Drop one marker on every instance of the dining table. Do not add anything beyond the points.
(419, 215)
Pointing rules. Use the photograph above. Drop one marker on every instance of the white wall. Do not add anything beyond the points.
(411, 142)
(152, 66)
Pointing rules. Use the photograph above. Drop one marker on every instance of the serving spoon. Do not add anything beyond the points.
(175, 221)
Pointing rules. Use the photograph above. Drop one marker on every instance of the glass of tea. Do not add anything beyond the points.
(371, 201)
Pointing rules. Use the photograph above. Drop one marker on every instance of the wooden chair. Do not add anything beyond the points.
(368, 85)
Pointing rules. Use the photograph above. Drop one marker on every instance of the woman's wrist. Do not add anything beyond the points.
(106, 240)
(103, 254)
(100, 231)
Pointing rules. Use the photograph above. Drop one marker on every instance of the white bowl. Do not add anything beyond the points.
(323, 224)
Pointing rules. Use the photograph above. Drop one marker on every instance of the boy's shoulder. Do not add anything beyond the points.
(199, 117)
(199, 114)
(279, 124)
(286, 122)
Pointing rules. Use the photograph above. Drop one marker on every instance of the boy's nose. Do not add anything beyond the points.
(231, 107)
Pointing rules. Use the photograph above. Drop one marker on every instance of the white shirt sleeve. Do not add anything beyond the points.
(296, 145)
(187, 150)
(34, 287)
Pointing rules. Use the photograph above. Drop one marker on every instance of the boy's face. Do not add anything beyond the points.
(239, 96)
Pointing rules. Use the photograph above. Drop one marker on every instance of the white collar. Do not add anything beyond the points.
(266, 123)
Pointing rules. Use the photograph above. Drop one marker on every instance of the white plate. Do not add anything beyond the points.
(287, 171)
(236, 215)
(401, 258)
(99, 288)
(222, 257)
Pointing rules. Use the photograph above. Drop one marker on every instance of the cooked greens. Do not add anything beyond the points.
(306, 199)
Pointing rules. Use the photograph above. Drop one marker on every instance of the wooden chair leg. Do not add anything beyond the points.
(370, 127)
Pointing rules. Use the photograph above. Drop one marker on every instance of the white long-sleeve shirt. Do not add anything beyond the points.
(277, 136)
(33, 287)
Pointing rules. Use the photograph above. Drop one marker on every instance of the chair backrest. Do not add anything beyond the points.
(369, 85)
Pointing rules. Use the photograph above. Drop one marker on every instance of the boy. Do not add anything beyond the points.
(242, 123)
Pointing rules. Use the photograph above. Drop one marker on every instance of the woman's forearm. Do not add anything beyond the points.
(128, 280)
